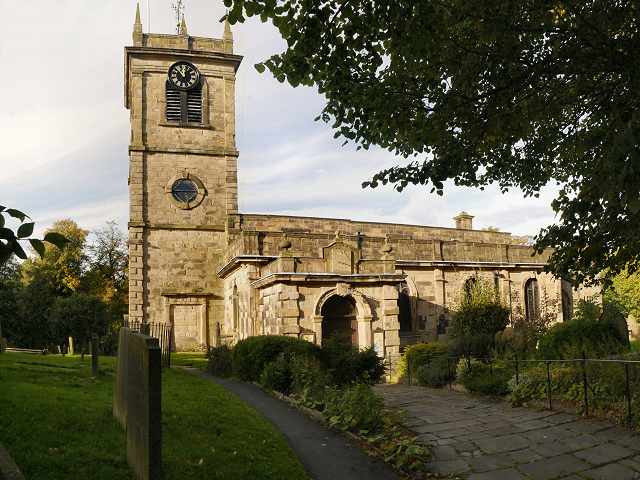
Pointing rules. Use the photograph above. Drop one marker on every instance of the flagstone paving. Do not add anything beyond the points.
(489, 440)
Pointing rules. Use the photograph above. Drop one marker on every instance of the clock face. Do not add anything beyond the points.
(183, 75)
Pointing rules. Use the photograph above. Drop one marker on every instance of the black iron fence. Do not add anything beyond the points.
(161, 331)
(518, 369)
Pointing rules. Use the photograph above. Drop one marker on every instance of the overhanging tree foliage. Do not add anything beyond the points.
(517, 93)
(10, 240)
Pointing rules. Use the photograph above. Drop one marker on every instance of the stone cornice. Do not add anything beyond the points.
(231, 152)
(171, 226)
(311, 278)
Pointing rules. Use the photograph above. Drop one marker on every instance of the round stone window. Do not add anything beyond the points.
(185, 191)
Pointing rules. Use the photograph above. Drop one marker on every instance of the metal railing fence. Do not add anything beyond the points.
(161, 331)
(518, 364)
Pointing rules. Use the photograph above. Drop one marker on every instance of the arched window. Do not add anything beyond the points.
(566, 307)
(404, 304)
(469, 285)
(532, 299)
(236, 307)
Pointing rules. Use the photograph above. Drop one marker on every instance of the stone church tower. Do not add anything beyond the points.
(182, 176)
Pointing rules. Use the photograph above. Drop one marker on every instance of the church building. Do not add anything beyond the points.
(219, 275)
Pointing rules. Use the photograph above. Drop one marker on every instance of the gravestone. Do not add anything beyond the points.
(137, 401)
(82, 354)
(3, 345)
(64, 351)
(94, 355)
(58, 350)
(71, 351)
(615, 317)
(623, 328)
(634, 328)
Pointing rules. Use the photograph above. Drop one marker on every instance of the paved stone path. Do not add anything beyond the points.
(492, 441)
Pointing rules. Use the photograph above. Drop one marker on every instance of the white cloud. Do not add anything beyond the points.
(64, 130)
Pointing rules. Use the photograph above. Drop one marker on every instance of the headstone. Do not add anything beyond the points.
(94, 355)
(634, 328)
(623, 328)
(3, 345)
(615, 317)
(509, 333)
(102, 350)
(58, 349)
(71, 351)
(82, 354)
(64, 350)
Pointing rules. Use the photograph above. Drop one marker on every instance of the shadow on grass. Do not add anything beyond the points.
(58, 424)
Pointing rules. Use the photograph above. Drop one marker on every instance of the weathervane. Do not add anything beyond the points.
(178, 9)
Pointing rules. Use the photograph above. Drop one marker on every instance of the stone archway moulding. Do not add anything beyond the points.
(363, 313)
(344, 290)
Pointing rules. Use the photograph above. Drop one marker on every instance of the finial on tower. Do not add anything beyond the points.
(227, 35)
(137, 26)
(183, 27)
(177, 7)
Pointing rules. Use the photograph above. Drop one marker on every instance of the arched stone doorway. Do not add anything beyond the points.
(339, 316)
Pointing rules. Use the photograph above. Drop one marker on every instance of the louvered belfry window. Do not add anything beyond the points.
(184, 107)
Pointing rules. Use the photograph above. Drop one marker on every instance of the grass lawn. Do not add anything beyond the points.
(57, 423)
(191, 359)
(635, 344)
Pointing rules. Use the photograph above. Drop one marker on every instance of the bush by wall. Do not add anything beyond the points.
(436, 373)
(252, 354)
(219, 363)
(277, 376)
(480, 310)
(566, 339)
(348, 364)
(414, 356)
(477, 346)
(482, 380)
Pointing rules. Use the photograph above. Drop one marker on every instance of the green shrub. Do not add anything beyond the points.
(477, 346)
(571, 337)
(277, 376)
(480, 310)
(482, 380)
(355, 408)
(347, 364)
(414, 356)
(219, 363)
(310, 380)
(435, 374)
(252, 354)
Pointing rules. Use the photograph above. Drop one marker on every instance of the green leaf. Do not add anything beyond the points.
(7, 234)
(38, 246)
(25, 230)
(20, 253)
(16, 214)
(57, 239)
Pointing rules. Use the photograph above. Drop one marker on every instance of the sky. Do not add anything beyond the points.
(64, 130)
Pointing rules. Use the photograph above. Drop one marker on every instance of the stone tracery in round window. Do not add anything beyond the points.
(185, 191)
